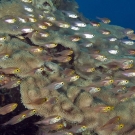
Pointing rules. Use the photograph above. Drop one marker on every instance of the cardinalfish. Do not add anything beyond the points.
(94, 23)
(128, 31)
(39, 101)
(49, 120)
(98, 57)
(80, 24)
(105, 32)
(62, 24)
(42, 26)
(106, 82)
(91, 89)
(118, 89)
(35, 49)
(48, 24)
(75, 38)
(129, 73)
(16, 119)
(29, 113)
(65, 52)
(131, 36)
(55, 85)
(68, 72)
(4, 56)
(54, 127)
(70, 14)
(8, 108)
(10, 20)
(78, 129)
(88, 35)
(87, 44)
(2, 38)
(87, 68)
(10, 70)
(114, 120)
(75, 27)
(27, 29)
(11, 84)
(127, 42)
(62, 59)
(71, 78)
(20, 117)
(119, 82)
(104, 20)
(50, 45)
(27, 1)
(36, 71)
(103, 108)
(113, 124)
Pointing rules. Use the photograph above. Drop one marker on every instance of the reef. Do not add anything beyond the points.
(69, 66)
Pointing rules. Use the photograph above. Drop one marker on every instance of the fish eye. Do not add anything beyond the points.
(126, 81)
(4, 37)
(111, 81)
(34, 110)
(41, 69)
(45, 99)
(58, 117)
(1, 76)
(60, 125)
(23, 116)
(17, 70)
(7, 55)
(83, 127)
(98, 89)
(62, 83)
(77, 76)
(18, 82)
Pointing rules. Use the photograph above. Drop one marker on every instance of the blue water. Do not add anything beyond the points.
(121, 12)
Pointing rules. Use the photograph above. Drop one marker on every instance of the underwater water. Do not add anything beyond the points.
(120, 12)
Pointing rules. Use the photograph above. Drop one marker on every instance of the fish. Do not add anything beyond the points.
(129, 73)
(55, 85)
(68, 72)
(78, 129)
(113, 120)
(74, 27)
(80, 24)
(16, 119)
(114, 52)
(103, 108)
(127, 42)
(128, 31)
(20, 117)
(94, 23)
(105, 32)
(98, 57)
(27, 29)
(27, 8)
(29, 113)
(87, 68)
(62, 24)
(11, 84)
(2, 38)
(27, 1)
(71, 78)
(104, 20)
(70, 14)
(49, 120)
(10, 70)
(8, 108)
(65, 52)
(36, 71)
(62, 59)
(38, 101)
(91, 89)
(88, 35)
(50, 45)
(113, 127)
(10, 20)
(34, 49)
(4, 56)
(131, 36)
(75, 38)
(120, 82)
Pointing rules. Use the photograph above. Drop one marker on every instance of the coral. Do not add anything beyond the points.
(102, 85)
